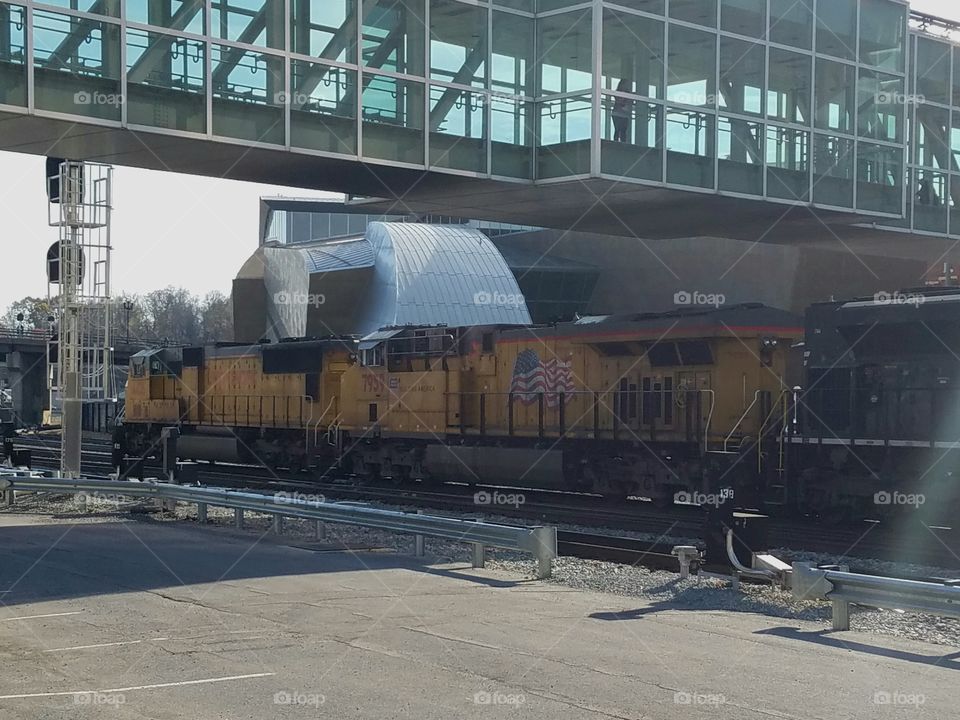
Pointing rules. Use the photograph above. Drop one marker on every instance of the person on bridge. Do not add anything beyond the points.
(621, 113)
(927, 195)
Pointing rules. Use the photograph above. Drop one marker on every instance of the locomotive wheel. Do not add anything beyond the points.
(399, 475)
(662, 502)
(836, 515)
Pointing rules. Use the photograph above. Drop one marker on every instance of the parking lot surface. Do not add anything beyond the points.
(124, 618)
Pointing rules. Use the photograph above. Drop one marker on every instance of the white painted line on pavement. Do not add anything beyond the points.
(137, 687)
(34, 617)
(103, 645)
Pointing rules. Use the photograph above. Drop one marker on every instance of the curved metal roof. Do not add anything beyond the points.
(439, 275)
(400, 274)
(341, 255)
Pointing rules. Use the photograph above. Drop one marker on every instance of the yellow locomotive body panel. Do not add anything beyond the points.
(619, 405)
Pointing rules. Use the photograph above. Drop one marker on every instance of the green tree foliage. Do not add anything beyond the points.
(35, 312)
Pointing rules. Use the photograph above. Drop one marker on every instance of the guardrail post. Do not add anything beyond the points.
(841, 615)
(278, 524)
(418, 550)
(10, 497)
(479, 555)
(544, 550)
(841, 609)
(238, 518)
(201, 512)
(320, 530)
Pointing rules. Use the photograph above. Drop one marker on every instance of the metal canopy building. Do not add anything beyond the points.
(660, 118)
(394, 274)
(553, 287)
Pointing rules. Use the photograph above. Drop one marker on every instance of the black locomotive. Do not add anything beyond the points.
(876, 421)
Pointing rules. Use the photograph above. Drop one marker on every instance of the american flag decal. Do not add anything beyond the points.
(532, 377)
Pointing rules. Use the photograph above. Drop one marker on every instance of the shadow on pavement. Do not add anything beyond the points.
(55, 561)
(825, 637)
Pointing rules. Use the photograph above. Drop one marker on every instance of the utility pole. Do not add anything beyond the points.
(127, 307)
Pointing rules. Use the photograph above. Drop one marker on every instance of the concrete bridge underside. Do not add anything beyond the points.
(589, 204)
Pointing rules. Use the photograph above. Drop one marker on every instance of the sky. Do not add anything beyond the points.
(168, 229)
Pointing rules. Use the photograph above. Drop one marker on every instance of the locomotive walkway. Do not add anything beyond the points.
(146, 620)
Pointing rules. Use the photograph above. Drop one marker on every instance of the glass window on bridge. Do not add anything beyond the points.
(77, 65)
(13, 55)
(166, 81)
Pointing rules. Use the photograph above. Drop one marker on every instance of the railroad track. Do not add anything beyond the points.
(623, 550)
(908, 540)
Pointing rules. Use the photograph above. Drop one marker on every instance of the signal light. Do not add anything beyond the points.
(53, 179)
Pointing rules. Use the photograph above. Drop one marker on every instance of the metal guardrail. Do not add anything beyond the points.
(843, 588)
(541, 542)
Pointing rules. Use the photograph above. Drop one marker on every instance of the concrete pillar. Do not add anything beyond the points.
(71, 434)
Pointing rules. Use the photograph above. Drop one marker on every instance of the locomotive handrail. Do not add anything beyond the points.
(316, 425)
(540, 541)
(726, 440)
(561, 399)
(713, 405)
(763, 425)
(843, 588)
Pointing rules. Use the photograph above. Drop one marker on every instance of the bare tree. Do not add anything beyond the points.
(216, 317)
(170, 314)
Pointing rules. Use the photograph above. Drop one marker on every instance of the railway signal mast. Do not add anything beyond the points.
(78, 288)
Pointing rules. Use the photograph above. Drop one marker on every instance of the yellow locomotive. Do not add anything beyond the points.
(642, 405)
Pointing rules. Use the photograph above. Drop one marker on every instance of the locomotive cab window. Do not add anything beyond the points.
(486, 342)
(373, 357)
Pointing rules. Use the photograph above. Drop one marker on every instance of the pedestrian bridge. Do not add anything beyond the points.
(647, 118)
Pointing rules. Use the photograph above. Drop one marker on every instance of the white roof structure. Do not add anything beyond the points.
(399, 274)
(439, 275)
